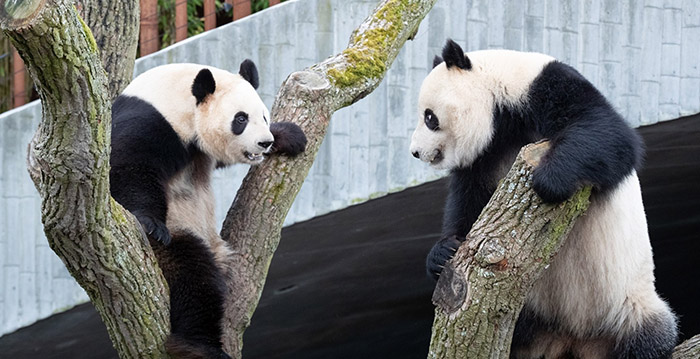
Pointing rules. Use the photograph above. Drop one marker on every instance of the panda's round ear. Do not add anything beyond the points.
(249, 72)
(203, 85)
(437, 61)
(454, 56)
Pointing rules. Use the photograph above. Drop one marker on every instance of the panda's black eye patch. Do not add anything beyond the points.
(239, 123)
(431, 121)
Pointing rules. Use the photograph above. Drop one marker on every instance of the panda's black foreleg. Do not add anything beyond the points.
(197, 290)
(469, 191)
(139, 189)
(600, 152)
(655, 338)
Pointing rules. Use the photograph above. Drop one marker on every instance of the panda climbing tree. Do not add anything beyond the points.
(100, 242)
(97, 239)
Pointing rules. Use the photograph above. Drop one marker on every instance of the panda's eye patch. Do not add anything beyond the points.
(431, 121)
(239, 123)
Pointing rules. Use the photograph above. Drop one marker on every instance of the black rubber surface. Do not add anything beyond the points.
(351, 284)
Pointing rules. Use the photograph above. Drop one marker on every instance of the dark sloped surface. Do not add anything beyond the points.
(351, 284)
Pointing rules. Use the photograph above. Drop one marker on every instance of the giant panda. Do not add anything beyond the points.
(597, 299)
(171, 127)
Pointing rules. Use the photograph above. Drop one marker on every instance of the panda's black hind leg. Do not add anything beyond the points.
(197, 289)
(654, 339)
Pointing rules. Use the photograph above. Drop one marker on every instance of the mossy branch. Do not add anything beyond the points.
(482, 290)
(307, 98)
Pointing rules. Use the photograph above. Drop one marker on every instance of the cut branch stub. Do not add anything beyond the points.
(511, 243)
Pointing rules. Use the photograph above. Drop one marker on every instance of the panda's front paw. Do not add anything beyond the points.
(441, 252)
(551, 185)
(155, 229)
(290, 140)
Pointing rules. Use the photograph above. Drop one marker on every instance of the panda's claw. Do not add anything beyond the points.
(440, 254)
(155, 229)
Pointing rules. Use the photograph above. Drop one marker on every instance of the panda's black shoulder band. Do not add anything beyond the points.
(454, 56)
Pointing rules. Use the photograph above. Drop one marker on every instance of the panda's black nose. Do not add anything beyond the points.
(416, 154)
(265, 144)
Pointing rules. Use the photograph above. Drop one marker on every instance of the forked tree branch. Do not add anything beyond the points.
(307, 98)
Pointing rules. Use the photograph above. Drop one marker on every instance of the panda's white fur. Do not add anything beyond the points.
(597, 299)
(498, 75)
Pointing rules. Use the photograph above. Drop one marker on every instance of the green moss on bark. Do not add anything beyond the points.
(367, 58)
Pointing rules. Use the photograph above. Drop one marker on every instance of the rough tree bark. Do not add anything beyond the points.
(115, 27)
(95, 237)
(308, 98)
(690, 349)
(481, 291)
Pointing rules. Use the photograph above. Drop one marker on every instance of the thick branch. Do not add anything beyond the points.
(482, 290)
(96, 238)
(308, 98)
(115, 26)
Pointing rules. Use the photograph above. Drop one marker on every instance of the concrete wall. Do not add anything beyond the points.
(642, 54)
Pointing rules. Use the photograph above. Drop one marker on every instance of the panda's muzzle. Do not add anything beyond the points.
(435, 157)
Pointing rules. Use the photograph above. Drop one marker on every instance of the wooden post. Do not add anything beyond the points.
(180, 20)
(148, 41)
(274, 2)
(19, 89)
(241, 9)
(209, 15)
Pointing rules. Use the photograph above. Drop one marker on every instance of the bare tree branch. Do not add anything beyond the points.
(308, 98)
(482, 290)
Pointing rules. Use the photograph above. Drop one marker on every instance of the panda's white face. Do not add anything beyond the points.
(455, 118)
(233, 124)
(456, 104)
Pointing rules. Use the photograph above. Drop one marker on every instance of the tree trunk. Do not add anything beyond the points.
(115, 26)
(482, 290)
(308, 98)
(95, 237)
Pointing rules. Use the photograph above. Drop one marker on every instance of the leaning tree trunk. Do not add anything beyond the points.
(481, 291)
(308, 98)
(95, 237)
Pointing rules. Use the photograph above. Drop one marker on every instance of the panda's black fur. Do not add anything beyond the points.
(590, 144)
(149, 157)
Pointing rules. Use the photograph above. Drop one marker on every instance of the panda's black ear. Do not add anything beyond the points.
(437, 61)
(454, 56)
(203, 85)
(249, 72)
